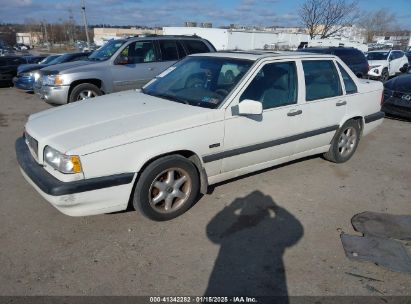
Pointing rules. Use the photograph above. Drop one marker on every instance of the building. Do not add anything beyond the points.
(240, 39)
(101, 35)
(32, 38)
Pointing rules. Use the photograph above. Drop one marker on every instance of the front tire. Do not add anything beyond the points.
(84, 91)
(344, 143)
(384, 75)
(167, 188)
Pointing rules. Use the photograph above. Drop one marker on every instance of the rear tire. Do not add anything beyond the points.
(84, 91)
(344, 143)
(167, 188)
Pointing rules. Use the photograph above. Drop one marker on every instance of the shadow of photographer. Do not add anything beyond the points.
(253, 233)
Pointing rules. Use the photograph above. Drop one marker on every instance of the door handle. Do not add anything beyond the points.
(150, 69)
(294, 112)
(341, 103)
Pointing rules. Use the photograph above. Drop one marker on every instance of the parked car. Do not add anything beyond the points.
(21, 47)
(408, 54)
(28, 73)
(384, 64)
(397, 96)
(354, 58)
(35, 59)
(195, 125)
(8, 68)
(117, 66)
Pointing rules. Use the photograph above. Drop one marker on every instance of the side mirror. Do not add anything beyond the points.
(122, 60)
(250, 107)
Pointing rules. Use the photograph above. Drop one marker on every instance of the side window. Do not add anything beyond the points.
(139, 52)
(168, 50)
(350, 87)
(275, 85)
(321, 79)
(196, 46)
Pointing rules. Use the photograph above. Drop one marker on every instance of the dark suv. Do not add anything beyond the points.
(354, 58)
(119, 65)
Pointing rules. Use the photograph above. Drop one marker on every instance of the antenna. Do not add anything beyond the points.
(83, 9)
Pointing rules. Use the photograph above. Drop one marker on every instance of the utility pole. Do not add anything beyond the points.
(83, 9)
(47, 38)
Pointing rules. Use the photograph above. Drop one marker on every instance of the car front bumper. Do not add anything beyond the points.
(397, 107)
(53, 94)
(78, 198)
(24, 83)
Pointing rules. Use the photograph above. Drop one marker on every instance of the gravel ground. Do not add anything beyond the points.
(273, 232)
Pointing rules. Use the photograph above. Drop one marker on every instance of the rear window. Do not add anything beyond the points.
(351, 56)
(169, 50)
(195, 46)
(321, 79)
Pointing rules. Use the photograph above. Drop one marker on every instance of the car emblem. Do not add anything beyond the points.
(406, 97)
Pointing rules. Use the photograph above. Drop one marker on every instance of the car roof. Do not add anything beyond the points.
(162, 37)
(257, 54)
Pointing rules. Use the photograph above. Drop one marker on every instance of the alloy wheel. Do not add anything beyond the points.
(86, 94)
(170, 190)
(347, 141)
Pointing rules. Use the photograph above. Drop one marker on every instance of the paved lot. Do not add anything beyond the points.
(227, 240)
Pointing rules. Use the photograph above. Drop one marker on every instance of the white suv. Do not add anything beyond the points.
(209, 118)
(384, 64)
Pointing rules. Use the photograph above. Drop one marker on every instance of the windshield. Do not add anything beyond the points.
(377, 55)
(61, 59)
(199, 81)
(48, 59)
(107, 50)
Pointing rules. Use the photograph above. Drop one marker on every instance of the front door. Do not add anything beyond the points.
(258, 139)
(135, 66)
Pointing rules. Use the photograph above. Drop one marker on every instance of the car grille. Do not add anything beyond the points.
(32, 144)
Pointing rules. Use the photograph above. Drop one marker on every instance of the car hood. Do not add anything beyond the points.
(58, 68)
(24, 68)
(377, 62)
(400, 83)
(112, 120)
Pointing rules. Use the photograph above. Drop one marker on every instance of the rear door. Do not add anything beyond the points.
(136, 65)
(324, 104)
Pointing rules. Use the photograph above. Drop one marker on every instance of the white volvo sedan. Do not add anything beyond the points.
(208, 118)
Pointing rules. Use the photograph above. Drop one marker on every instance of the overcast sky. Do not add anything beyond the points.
(174, 13)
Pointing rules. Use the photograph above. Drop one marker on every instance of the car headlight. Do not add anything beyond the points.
(53, 80)
(61, 162)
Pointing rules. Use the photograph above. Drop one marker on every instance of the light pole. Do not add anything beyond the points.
(83, 9)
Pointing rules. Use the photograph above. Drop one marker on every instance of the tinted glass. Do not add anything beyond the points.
(195, 46)
(197, 80)
(350, 87)
(321, 79)
(274, 85)
(168, 50)
(139, 52)
(351, 56)
(377, 55)
(181, 51)
(107, 50)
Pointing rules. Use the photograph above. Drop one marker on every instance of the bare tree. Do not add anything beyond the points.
(325, 18)
(377, 23)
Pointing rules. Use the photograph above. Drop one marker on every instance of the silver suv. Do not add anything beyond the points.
(119, 65)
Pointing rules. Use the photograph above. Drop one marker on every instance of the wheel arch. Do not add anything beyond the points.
(359, 118)
(188, 154)
(97, 82)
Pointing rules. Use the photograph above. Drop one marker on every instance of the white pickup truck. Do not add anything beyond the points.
(208, 118)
